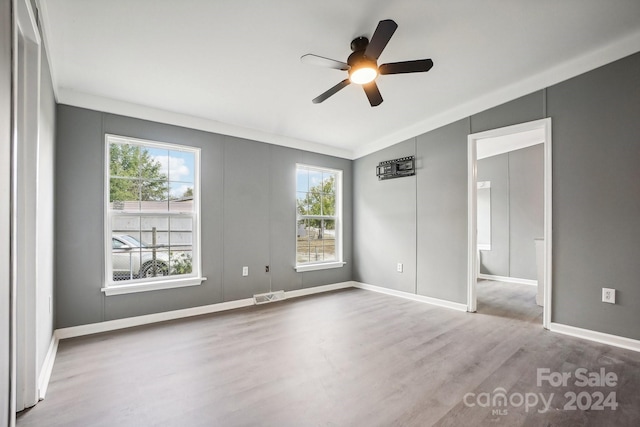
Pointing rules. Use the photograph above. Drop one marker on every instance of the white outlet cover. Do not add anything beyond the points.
(245, 271)
(399, 267)
(609, 295)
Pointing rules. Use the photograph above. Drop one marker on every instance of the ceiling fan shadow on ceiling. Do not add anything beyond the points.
(362, 64)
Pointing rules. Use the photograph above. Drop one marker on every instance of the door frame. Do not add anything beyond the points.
(25, 122)
(472, 208)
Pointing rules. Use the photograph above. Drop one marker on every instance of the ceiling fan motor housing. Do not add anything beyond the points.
(359, 43)
(357, 60)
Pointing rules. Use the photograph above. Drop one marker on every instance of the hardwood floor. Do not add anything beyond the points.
(346, 358)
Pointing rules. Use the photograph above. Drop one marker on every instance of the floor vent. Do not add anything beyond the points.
(268, 297)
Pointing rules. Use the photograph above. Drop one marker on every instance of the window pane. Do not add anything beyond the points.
(126, 225)
(124, 160)
(302, 241)
(302, 203)
(181, 234)
(181, 166)
(154, 191)
(329, 182)
(302, 179)
(315, 240)
(181, 191)
(154, 164)
(315, 180)
(314, 200)
(154, 229)
(328, 204)
(154, 262)
(125, 258)
(181, 262)
(329, 240)
(124, 194)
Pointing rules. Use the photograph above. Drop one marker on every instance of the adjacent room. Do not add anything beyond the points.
(221, 213)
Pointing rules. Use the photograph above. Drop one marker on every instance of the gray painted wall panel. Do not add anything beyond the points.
(596, 210)
(496, 170)
(79, 217)
(246, 218)
(524, 109)
(248, 207)
(283, 219)
(385, 222)
(526, 207)
(442, 212)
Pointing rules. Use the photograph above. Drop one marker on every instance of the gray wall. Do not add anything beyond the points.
(517, 211)
(442, 212)
(248, 218)
(419, 220)
(385, 218)
(596, 183)
(6, 413)
(596, 194)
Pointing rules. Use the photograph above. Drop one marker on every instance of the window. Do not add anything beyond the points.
(484, 215)
(152, 215)
(319, 222)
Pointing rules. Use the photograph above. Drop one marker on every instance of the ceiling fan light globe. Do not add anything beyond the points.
(363, 75)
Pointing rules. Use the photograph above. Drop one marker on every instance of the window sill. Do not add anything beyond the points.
(323, 266)
(484, 247)
(152, 286)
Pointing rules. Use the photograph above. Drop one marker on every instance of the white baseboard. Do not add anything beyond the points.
(112, 325)
(413, 297)
(600, 337)
(47, 367)
(318, 289)
(508, 279)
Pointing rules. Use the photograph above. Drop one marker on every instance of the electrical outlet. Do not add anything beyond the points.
(245, 271)
(399, 267)
(609, 295)
(266, 268)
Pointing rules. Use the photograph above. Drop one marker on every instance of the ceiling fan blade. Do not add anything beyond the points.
(380, 38)
(321, 61)
(371, 89)
(332, 91)
(417, 66)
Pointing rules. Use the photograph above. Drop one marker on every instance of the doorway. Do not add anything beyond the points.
(536, 132)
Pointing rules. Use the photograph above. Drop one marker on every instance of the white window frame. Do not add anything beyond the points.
(195, 278)
(312, 266)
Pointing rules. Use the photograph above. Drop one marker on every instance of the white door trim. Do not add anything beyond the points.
(472, 254)
(26, 107)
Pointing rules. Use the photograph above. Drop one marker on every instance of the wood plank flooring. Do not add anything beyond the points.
(346, 358)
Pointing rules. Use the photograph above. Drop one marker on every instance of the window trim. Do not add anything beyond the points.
(338, 218)
(143, 285)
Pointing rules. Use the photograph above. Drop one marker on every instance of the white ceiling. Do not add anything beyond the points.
(233, 66)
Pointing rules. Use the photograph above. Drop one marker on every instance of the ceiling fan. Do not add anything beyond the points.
(362, 64)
